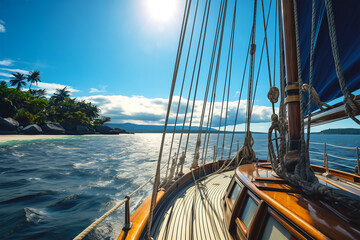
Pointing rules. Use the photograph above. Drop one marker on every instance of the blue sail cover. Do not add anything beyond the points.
(347, 21)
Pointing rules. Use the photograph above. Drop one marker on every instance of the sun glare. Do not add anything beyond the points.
(162, 10)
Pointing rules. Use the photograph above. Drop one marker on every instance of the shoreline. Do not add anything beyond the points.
(20, 137)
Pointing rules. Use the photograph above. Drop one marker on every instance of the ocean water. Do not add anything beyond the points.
(53, 189)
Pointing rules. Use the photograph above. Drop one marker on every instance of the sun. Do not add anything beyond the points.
(162, 11)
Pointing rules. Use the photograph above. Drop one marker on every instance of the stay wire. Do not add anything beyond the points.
(157, 174)
(206, 10)
(231, 50)
(219, 20)
(182, 87)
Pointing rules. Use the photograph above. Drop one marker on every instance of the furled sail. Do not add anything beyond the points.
(347, 22)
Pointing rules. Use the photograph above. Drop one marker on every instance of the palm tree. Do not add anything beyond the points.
(18, 80)
(3, 83)
(61, 94)
(38, 92)
(33, 77)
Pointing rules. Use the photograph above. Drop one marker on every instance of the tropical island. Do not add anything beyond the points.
(33, 112)
(341, 131)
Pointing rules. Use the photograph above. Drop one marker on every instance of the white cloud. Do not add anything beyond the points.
(6, 62)
(5, 74)
(95, 90)
(15, 70)
(141, 110)
(2, 26)
(51, 87)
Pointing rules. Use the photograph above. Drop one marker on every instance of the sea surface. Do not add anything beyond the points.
(55, 188)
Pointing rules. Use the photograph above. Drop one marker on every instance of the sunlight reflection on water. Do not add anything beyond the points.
(55, 188)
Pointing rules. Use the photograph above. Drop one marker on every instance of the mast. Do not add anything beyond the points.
(292, 86)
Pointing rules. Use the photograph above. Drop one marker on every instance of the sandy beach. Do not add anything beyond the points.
(18, 137)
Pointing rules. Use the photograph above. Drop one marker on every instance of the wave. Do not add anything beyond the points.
(27, 197)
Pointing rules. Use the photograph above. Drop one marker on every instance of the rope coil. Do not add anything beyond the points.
(273, 94)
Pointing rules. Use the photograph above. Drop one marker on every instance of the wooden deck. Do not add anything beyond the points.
(195, 211)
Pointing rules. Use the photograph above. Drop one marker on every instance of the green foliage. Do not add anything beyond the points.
(77, 118)
(33, 107)
(24, 116)
(61, 94)
(38, 92)
(101, 121)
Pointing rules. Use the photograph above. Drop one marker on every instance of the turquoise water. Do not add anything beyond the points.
(53, 189)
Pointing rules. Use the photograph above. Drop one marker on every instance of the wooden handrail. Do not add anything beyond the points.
(336, 113)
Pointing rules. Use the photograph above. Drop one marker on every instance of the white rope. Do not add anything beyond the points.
(317, 160)
(102, 218)
(348, 159)
(316, 152)
(341, 165)
(328, 144)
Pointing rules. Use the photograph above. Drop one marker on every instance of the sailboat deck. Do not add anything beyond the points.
(195, 211)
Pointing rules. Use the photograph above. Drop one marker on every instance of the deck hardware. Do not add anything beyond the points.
(326, 165)
(128, 224)
(324, 154)
(358, 161)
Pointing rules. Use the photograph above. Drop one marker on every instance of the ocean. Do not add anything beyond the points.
(55, 188)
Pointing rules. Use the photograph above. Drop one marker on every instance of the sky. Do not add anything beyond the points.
(120, 55)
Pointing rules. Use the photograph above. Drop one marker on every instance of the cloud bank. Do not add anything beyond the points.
(51, 87)
(6, 62)
(142, 110)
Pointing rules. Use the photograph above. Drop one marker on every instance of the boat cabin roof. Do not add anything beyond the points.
(259, 205)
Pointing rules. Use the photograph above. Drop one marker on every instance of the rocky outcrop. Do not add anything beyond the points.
(81, 129)
(32, 129)
(8, 124)
(104, 129)
(52, 128)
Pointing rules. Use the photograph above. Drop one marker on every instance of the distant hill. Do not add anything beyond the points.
(341, 131)
(135, 128)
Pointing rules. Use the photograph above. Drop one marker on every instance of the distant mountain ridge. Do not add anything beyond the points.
(135, 128)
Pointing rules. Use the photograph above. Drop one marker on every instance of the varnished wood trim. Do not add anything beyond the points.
(238, 207)
(335, 113)
(270, 179)
(293, 86)
(292, 98)
(288, 227)
(337, 173)
(287, 10)
(257, 221)
(139, 218)
(311, 230)
(241, 226)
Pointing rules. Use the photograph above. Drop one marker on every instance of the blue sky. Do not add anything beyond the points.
(120, 54)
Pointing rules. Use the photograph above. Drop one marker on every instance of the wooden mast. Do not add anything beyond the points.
(292, 89)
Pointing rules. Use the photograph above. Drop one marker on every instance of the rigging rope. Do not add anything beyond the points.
(177, 62)
(246, 153)
(167, 180)
(297, 171)
(213, 94)
(102, 218)
(351, 108)
(195, 161)
(229, 71)
(206, 13)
